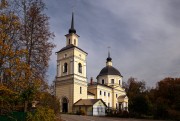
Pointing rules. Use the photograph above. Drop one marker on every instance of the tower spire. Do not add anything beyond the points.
(72, 30)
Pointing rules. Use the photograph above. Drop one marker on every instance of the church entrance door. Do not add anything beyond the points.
(64, 105)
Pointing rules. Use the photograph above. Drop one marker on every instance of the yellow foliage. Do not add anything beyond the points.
(5, 90)
(42, 114)
(3, 4)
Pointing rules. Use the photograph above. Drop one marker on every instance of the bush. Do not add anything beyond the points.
(41, 114)
(125, 114)
(173, 114)
(49, 100)
(81, 112)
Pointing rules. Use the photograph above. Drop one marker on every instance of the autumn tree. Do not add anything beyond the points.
(35, 36)
(25, 48)
(13, 70)
(167, 98)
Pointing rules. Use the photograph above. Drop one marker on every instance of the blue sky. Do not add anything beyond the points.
(144, 35)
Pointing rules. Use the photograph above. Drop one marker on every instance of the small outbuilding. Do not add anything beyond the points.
(93, 107)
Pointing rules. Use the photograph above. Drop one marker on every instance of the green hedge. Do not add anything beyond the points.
(14, 116)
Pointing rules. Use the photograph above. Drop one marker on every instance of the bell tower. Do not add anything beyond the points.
(71, 80)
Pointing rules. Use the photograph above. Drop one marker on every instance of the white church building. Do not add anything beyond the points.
(72, 87)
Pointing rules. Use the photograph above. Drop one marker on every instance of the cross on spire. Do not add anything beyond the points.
(109, 57)
(108, 51)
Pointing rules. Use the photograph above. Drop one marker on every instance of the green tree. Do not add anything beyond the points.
(139, 103)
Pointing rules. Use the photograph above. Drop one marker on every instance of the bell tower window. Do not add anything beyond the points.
(69, 41)
(65, 67)
(112, 81)
(74, 41)
(80, 68)
(103, 81)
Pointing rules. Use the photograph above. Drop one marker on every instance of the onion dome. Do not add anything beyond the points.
(109, 70)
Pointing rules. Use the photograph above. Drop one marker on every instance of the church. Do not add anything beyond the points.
(72, 87)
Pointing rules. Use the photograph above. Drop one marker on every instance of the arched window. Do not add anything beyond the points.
(69, 41)
(103, 81)
(112, 81)
(65, 67)
(80, 68)
(58, 70)
(74, 41)
(65, 55)
(100, 93)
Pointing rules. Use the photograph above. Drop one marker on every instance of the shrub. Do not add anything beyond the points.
(41, 114)
(125, 114)
(80, 112)
(173, 114)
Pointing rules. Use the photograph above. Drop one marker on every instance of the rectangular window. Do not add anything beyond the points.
(101, 109)
(98, 110)
(80, 90)
(116, 95)
(104, 93)
(116, 106)
(119, 82)
(112, 81)
(100, 92)
(108, 94)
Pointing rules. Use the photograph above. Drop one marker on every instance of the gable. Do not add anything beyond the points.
(100, 103)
